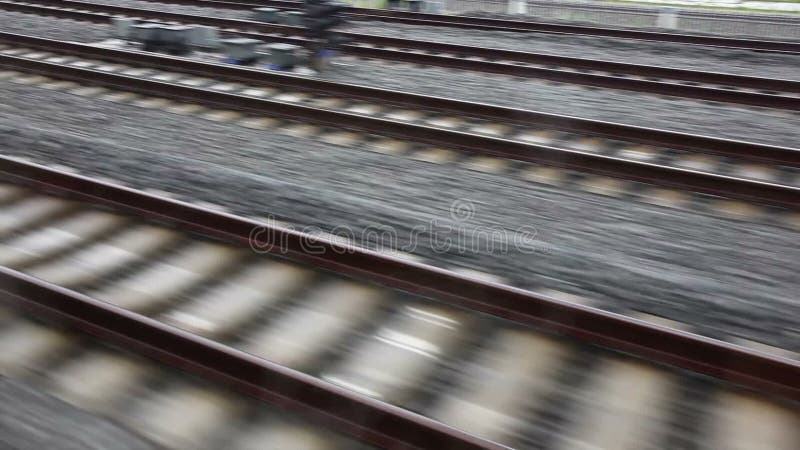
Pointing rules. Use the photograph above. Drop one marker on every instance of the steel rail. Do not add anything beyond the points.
(746, 151)
(720, 185)
(516, 63)
(482, 23)
(751, 368)
(364, 418)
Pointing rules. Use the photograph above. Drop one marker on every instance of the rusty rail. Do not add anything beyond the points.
(751, 368)
(364, 418)
(746, 151)
(732, 187)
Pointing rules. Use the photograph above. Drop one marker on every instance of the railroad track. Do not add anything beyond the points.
(395, 121)
(325, 330)
(762, 16)
(738, 89)
(165, 407)
(482, 23)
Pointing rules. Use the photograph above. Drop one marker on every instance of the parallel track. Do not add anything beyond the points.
(745, 151)
(755, 91)
(363, 417)
(480, 23)
(369, 419)
(46, 363)
(782, 195)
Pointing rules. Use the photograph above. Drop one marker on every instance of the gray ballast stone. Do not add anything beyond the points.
(122, 27)
(146, 32)
(33, 420)
(295, 18)
(226, 13)
(722, 276)
(283, 55)
(203, 36)
(240, 49)
(176, 34)
(269, 15)
(48, 27)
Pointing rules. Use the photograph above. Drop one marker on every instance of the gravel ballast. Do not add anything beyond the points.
(32, 420)
(684, 115)
(50, 28)
(224, 13)
(721, 275)
(695, 57)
